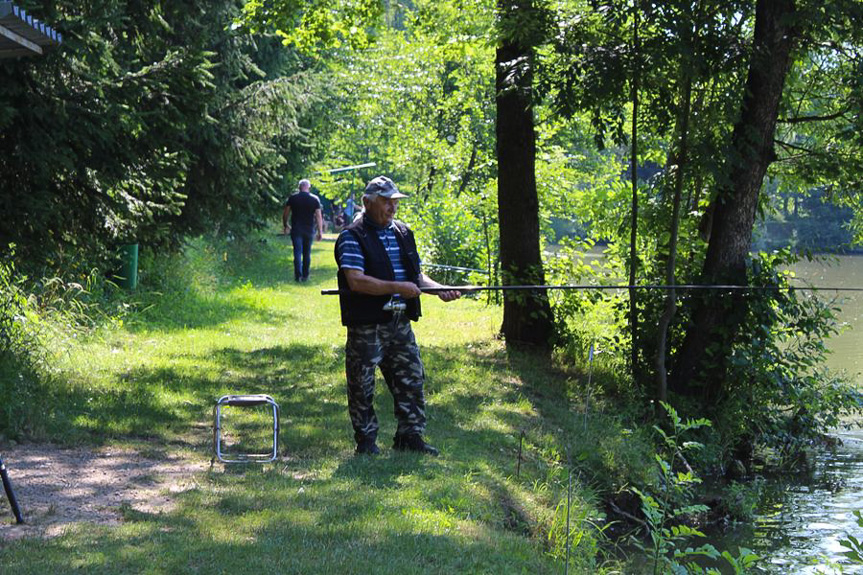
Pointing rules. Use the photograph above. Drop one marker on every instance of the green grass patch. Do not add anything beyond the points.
(229, 320)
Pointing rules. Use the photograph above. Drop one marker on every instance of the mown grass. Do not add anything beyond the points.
(228, 320)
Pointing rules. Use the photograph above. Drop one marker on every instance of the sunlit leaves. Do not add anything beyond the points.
(311, 25)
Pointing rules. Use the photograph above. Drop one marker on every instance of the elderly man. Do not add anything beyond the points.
(380, 283)
(303, 210)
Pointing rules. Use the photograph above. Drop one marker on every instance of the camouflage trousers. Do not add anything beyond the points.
(393, 348)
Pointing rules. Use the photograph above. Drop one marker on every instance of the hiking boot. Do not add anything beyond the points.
(414, 442)
(368, 447)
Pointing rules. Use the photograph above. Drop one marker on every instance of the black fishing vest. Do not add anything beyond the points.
(361, 309)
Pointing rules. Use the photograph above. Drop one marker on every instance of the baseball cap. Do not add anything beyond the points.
(383, 186)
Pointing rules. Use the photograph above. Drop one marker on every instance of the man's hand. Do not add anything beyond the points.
(361, 283)
(449, 295)
(409, 290)
(446, 295)
(319, 236)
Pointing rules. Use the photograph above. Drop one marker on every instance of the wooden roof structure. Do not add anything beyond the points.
(23, 35)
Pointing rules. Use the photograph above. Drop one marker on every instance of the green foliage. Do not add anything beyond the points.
(779, 393)
(578, 521)
(315, 24)
(666, 512)
(588, 317)
(447, 230)
(25, 377)
(853, 545)
(39, 321)
(150, 122)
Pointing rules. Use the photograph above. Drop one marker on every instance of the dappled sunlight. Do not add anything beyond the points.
(160, 377)
(60, 488)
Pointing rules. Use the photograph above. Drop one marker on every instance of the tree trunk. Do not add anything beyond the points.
(679, 159)
(717, 318)
(468, 171)
(526, 315)
(680, 162)
(633, 232)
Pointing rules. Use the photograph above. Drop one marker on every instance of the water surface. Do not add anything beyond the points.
(844, 272)
(804, 516)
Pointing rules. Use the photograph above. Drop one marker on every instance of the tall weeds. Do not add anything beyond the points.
(23, 359)
(37, 321)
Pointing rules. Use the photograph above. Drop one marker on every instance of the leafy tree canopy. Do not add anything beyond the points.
(150, 122)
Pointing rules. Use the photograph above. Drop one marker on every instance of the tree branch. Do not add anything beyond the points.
(803, 119)
(629, 516)
(793, 147)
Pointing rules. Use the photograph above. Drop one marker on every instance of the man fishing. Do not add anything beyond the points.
(379, 287)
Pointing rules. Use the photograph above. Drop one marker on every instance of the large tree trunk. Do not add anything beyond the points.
(717, 318)
(526, 315)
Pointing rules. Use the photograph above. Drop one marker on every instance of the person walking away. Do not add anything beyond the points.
(304, 210)
(379, 264)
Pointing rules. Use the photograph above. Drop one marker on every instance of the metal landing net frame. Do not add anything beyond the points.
(244, 401)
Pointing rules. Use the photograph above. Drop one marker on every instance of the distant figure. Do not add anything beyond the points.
(379, 291)
(349, 208)
(338, 218)
(304, 210)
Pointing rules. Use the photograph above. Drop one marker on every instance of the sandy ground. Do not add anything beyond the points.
(57, 488)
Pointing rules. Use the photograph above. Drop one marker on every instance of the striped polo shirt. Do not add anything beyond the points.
(350, 254)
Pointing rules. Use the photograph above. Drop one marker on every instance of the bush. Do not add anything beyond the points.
(37, 319)
(23, 376)
(779, 394)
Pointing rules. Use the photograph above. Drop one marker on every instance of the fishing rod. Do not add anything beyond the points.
(587, 287)
(455, 268)
(10, 493)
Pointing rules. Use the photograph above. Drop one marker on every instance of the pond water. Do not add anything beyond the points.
(846, 272)
(804, 516)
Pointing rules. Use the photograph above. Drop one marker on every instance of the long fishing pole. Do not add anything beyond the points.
(691, 287)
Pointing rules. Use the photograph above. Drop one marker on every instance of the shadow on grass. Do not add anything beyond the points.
(270, 263)
(174, 402)
(382, 471)
(458, 407)
(187, 305)
(294, 539)
(191, 310)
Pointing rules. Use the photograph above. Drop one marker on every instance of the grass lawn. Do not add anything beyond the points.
(231, 320)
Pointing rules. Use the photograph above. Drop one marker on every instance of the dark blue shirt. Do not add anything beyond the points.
(303, 207)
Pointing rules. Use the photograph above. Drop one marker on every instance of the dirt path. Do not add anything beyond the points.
(57, 488)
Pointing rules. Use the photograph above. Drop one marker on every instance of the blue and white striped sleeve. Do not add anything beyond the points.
(349, 253)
